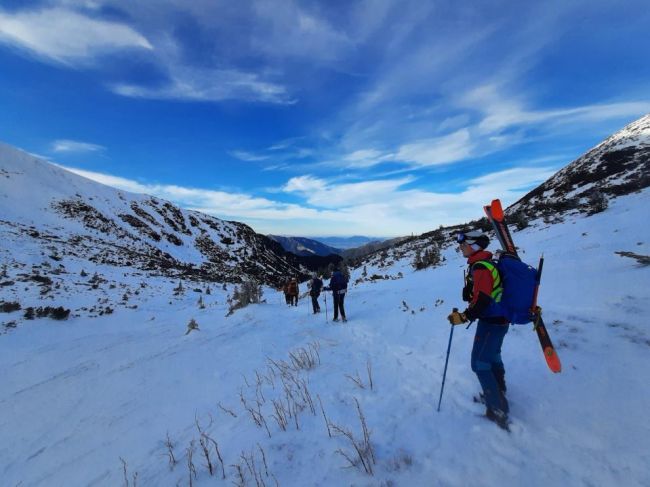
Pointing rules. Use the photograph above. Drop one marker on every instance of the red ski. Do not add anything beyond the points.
(494, 213)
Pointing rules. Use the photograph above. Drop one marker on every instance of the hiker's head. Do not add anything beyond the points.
(471, 242)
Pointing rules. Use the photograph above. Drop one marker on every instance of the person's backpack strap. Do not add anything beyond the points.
(497, 286)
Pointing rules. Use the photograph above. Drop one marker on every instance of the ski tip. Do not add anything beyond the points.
(497, 210)
(552, 360)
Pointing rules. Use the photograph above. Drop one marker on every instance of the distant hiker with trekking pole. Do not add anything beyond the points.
(293, 291)
(316, 285)
(483, 289)
(339, 286)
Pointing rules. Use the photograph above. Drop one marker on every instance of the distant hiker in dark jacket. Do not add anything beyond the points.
(339, 286)
(285, 289)
(316, 285)
(293, 291)
(482, 284)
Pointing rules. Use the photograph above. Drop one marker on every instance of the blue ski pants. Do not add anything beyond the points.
(487, 363)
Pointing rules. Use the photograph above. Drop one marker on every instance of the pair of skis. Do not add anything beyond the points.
(495, 215)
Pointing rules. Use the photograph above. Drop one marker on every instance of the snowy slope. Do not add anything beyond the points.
(79, 395)
(617, 166)
(46, 206)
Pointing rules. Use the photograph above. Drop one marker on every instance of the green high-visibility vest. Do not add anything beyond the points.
(497, 288)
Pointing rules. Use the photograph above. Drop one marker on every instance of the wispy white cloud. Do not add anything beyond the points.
(67, 145)
(379, 207)
(445, 149)
(276, 155)
(220, 203)
(293, 32)
(501, 111)
(65, 36)
(209, 85)
(319, 193)
(248, 156)
(388, 207)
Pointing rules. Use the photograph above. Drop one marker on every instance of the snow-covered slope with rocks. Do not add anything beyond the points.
(48, 210)
(78, 396)
(617, 166)
(123, 391)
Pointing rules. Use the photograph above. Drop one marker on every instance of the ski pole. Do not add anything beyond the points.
(444, 374)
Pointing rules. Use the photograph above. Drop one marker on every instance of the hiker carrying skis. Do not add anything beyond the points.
(339, 286)
(316, 285)
(482, 286)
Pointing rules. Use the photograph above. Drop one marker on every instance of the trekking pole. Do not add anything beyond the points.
(326, 320)
(444, 374)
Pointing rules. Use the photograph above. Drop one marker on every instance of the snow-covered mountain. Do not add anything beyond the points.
(305, 246)
(280, 396)
(46, 209)
(617, 166)
(128, 393)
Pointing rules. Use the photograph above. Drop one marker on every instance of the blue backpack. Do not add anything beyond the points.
(514, 287)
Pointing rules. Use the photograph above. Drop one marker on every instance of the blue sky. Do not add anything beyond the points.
(383, 117)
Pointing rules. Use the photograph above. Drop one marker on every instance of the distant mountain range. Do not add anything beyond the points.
(324, 246)
(344, 243)
(305, 246)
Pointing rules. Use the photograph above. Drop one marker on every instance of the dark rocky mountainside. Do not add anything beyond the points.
(48, 210)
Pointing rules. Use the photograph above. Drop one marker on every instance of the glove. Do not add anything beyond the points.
(456, 318)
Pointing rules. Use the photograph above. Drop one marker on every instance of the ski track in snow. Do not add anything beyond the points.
(78, 395)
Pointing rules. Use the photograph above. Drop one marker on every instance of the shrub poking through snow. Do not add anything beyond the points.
(363, 455)
(597, 202)
(643, 260)
(8, 307)
(191, 326)
(59, 313)
(249, 293)
(169, 445)
(430, 257)
(134, 479)
(179, 290)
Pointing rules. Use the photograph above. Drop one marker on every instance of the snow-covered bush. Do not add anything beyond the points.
(250, 292)
(430, 257)
(9, 307)
(597, 202)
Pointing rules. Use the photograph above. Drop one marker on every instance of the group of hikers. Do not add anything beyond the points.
(482, 281)
(338, 285)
